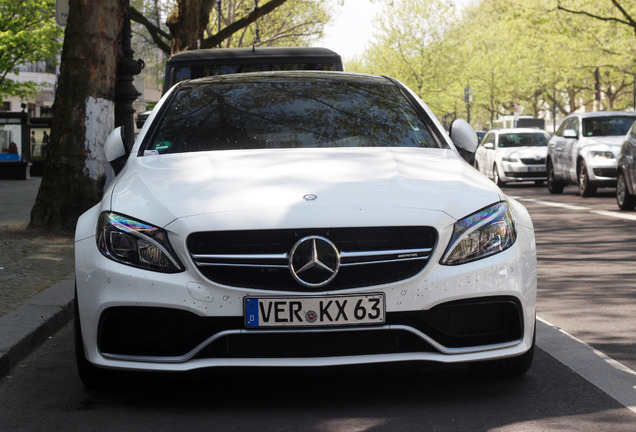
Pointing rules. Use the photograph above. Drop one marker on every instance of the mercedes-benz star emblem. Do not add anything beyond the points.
(314, 261)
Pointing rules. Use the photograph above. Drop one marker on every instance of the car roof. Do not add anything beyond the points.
(604, 114)
(518, 130)
(296, 75)
(239, 55)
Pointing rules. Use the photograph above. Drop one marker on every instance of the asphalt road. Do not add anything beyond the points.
(582, 379)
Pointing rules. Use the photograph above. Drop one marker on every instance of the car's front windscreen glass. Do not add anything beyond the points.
(523, 140)
(267, 114)
(606, 126)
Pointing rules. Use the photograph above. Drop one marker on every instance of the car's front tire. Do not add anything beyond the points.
(624, 199)
(586, 189)
(496, 178)
(554, 185)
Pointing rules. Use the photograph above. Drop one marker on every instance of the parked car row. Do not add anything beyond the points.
(589, 150)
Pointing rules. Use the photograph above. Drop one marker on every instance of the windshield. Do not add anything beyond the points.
(289, 113)
(606, 126)
(537, 139)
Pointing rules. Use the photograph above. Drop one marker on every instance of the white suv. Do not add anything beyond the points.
(585, 150)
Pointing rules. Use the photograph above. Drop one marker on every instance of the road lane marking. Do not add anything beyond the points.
(609, 375)
(553, 204)
(616, 214)
(613, 214)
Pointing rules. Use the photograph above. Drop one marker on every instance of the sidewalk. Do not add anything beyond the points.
(36, 279)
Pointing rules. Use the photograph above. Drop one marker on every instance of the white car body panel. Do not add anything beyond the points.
(229, 190)
(486, 159)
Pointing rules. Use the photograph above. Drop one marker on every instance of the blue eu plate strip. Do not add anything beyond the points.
(251, 312)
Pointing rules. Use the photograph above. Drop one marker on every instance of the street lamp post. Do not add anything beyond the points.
(468, 98)
(125, 91)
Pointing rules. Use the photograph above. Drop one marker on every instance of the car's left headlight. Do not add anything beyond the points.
(485, 233)
(135, 243)
(602, 154)
(509, 159)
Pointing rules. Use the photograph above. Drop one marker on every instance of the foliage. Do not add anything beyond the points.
(296, 23)
(527, 57)
(23, 26)
(274, 22)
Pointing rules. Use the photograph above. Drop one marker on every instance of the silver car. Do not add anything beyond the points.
(585, 150)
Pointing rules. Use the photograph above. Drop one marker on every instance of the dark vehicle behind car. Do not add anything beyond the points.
(223, 61)
(208, 62)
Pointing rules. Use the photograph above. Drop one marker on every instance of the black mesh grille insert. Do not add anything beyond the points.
(146, 331)
(531, 161)
(274, 274)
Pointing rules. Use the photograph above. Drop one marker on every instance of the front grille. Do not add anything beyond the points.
(259, 259)
(522, 175)
(532, 161)
(605, 172)
(163, 332)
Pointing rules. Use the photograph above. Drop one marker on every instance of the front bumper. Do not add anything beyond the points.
(139, 320)
(519, 171)
(602, 172)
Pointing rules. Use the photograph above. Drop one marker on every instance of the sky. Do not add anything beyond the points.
(352, 29)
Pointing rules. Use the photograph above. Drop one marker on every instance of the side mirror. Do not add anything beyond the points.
(116, 150)
(489, 146)
(570, 133)
(464, 137)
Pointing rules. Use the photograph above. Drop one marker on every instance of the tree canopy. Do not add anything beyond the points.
(528, 57)
(193, 24)
(23, 26)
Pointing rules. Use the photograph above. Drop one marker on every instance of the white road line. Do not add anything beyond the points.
(613, 214)
(618, 215)
(554, 204)
(614, 378)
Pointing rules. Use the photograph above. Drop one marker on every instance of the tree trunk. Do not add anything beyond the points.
(187, 22)
(75, 169)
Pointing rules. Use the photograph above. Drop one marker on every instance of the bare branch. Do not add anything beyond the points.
(243, 22)
(158, 36)
(627, 21)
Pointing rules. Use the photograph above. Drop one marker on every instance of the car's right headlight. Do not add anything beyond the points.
(482, 234)
(135, 243)
(602, 154)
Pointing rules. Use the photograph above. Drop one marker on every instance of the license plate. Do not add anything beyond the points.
(263, 312)
(536, 168)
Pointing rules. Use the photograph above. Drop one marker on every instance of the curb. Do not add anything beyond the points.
(27, 327)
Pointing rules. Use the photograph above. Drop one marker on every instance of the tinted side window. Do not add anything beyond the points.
(574, 124)
(563, 126)
(490, 138)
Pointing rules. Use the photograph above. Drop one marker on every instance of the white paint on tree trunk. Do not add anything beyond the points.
(100, 119)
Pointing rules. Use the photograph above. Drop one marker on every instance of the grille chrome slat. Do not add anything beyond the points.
(260, 259)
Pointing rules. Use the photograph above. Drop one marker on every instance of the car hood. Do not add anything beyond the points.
(600, 141)
(298, 187)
